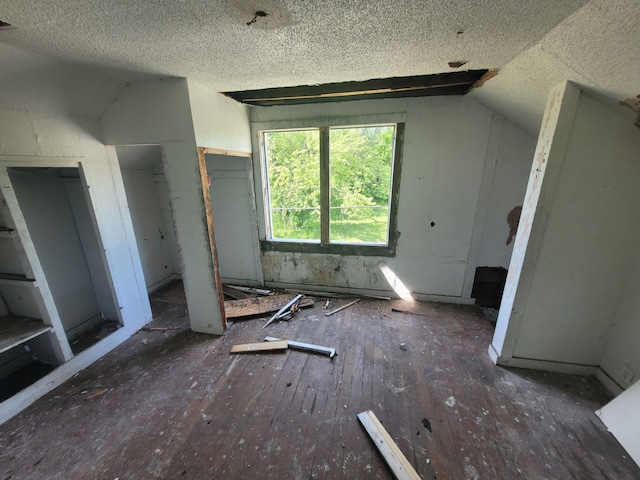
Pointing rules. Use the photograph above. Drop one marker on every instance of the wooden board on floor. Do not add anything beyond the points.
(397, 462)
(257, 306)
(260, 347)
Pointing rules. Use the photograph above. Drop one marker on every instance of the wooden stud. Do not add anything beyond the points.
(212, 242)
(397, 462)
(260, 347)
(221, 151)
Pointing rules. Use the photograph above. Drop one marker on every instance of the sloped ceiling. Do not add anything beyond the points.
(534, 44)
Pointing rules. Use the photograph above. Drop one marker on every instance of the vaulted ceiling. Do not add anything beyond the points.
(76, 55)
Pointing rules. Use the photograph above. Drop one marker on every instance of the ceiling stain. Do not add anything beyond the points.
(261, 14)
(457, 64)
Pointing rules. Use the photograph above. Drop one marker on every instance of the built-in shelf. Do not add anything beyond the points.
(15, 330)
(17, 280)
(6, 232)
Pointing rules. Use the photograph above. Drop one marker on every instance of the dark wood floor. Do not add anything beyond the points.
(176, 405)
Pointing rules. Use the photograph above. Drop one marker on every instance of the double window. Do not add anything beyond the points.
(331, 189)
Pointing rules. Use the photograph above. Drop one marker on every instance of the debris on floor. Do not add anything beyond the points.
(389, 450)
(260, 347)
(257, 291)
(234, 293)
(98, 393)
(426, 424)
(341, 308)
(290, 307)
(307, 347)
(403, 346)
(400, 310)
(159, 329)
(260, 305)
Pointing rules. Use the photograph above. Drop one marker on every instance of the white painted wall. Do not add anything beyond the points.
(622, 351)
(218, 121)
(159, 113)
(91, 247)
(164, 206)
(508, 186)
(47, 211)
(34, 139)
(622, 418)
(234, 216)
(37, 140)
(571, 261)
(446, 150)
(144, 204)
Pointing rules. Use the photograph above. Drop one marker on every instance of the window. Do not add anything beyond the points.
(331, 188)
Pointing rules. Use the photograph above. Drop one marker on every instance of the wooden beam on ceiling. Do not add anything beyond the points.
(450, 83)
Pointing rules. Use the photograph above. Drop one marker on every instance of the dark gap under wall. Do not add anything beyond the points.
(488, 286)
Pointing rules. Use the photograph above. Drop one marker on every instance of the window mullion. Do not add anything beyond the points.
(325, 209)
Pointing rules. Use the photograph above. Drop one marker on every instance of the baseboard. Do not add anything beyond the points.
(422, 297)
(21, 400)
(155, 286)
(82, 326)
(545, 365)
(493, 354)
(609, 383)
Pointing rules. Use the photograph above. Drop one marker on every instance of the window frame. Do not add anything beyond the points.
(325, 245)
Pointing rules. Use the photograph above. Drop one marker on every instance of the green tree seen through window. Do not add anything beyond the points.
(360, 166)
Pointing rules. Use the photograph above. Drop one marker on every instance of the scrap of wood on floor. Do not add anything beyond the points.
(396, 461)
(400, 310)
(260, 305)
(260, 347)
(159, 329)
(256, 291)
(307, 347)
(342, 307)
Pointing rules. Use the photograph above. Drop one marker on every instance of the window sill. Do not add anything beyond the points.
(334, 248)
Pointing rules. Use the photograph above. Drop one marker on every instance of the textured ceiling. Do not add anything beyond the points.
(534, 44)
(299, 42)
(596, 47)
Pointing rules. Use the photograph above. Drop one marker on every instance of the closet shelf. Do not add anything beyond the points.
(6, 232)
(16, 280)
(15, 330)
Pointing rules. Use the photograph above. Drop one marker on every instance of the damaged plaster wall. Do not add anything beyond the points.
(576, 264)
(445, 152)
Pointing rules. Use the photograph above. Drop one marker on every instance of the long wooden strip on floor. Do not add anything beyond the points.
(397, 462)
(328, 314)
(260, 347)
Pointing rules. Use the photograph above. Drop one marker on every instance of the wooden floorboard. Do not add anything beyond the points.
(177, 404)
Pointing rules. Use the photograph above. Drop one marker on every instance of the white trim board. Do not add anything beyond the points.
(543, 365)
(421, 297)
(21, 400)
